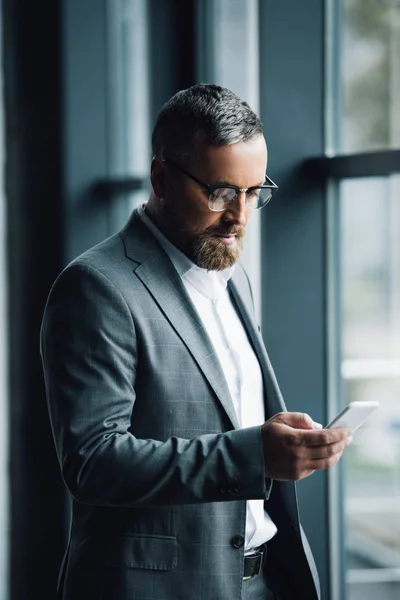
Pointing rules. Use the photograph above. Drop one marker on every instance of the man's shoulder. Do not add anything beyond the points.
(113, 251)
(117, 257)
(98, 266)
(102, 254)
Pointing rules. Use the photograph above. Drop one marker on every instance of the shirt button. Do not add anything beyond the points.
(237, 541)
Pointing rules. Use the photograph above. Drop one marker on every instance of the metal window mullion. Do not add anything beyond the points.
(333, 91)
(4, 396)
(349, 166)
(334, 386)
(332, 269)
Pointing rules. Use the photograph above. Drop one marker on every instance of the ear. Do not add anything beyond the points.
(157, 176)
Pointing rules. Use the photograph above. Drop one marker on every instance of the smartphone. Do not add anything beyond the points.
(354, 415)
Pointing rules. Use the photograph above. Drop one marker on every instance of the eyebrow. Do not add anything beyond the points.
(227, 183)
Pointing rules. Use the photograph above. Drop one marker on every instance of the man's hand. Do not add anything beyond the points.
(294, 446)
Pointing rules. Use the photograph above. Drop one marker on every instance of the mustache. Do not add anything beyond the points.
(211, 231)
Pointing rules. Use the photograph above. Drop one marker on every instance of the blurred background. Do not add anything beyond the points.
(82, 83)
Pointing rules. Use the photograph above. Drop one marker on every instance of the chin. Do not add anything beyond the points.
(216, 256)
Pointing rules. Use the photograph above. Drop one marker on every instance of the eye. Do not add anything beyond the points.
(253, 194)
(226, 194)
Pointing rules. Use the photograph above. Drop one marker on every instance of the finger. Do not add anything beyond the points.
(325, 463)
(321, 452)
(322, 437)
(296, 420)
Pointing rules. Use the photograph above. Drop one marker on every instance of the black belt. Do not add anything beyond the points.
(254, 561)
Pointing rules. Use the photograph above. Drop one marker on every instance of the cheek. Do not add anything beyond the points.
(197, 220)
(209, 221)
(192, 215)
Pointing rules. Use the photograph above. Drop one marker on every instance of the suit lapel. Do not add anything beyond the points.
(157, 273)
(273, 398)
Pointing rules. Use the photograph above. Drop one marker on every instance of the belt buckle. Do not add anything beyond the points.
(258, 563)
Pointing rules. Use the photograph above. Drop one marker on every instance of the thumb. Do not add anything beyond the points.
(298, 420)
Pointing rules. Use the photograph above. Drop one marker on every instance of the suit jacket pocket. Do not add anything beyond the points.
(141, 551)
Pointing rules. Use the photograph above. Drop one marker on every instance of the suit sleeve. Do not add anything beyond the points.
(90, 355)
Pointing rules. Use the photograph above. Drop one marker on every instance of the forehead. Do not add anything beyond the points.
(242, 164)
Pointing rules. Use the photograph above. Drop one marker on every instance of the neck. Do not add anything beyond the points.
(153, 210)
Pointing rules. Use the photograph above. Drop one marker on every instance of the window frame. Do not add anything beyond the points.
(330, 170)
(309, 169)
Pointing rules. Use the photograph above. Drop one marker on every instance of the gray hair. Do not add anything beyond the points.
(204, 114)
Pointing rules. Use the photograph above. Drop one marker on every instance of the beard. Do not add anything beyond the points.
(210, 253)
(204, 249)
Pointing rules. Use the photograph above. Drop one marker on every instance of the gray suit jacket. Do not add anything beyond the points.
(147, 437)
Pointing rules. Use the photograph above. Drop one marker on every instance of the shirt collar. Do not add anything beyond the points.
(211, 284)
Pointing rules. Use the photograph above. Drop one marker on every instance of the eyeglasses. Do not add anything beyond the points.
(220, 197)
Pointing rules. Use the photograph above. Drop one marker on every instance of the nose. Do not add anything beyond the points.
(236, 212)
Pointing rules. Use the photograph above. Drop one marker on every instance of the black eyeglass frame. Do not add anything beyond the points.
(212, 187)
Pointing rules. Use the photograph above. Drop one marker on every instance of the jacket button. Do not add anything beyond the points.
(237, 541)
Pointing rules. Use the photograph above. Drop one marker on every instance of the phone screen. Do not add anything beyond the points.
(354, 415)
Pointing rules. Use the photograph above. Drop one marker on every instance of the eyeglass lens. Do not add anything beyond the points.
(221, 198)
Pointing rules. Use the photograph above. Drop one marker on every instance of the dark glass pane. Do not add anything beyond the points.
(370, 75)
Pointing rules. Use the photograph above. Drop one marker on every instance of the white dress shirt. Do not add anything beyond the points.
(208, 291)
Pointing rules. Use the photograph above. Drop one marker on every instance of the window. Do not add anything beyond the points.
(370, 366)
(128, 89)
(364, 247)
(370, 75)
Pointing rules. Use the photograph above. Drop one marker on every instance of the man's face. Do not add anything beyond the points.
(212, 240)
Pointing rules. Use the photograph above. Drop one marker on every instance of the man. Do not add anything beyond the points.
(170, 429)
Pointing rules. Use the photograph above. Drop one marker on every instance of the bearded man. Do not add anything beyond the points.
(171, 432)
